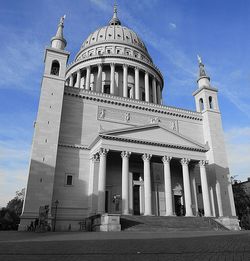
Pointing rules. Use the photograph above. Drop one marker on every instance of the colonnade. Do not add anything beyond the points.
(150, 83)
(125, 155)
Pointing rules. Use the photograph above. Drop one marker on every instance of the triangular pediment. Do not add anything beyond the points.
(153, 133)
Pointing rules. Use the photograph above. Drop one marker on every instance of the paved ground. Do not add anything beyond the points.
(74, 246)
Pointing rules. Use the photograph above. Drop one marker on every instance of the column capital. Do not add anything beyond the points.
(136, 68)
(166, 159)
(203, 163)
(100, 65)
(88, 67)
(125, 65)
(95, 157)
(103, 152)
(146, 157)
(125, 154)
(112, 64)
(185, 161)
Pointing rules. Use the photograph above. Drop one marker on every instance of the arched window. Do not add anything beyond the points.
(210, 99)
(55, 67)
(201, 104)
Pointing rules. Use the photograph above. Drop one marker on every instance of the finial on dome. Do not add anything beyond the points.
(58, 40)
(115, 20)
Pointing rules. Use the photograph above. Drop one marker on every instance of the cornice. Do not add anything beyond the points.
(131, 103)
(204, 88)
(73, 146)
(168, 145)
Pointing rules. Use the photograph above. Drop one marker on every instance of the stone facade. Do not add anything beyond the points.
(105, 143)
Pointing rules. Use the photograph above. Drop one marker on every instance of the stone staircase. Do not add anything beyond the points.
(162, 224)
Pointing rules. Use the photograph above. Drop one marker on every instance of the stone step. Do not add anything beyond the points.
(155, 223)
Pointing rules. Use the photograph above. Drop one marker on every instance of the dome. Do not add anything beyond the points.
(114, 33)
(114, 60)
(119, 34)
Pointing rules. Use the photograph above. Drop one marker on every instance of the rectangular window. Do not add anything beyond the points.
(199, 189)
(143, 96)
(106, 89)
(69, 180)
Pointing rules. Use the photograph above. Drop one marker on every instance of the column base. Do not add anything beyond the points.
(189, 215)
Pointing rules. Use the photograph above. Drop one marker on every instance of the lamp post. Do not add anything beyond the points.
(56, 204)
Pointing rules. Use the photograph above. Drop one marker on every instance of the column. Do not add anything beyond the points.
(212, 201)
(78, 79)
(137, 87)
(154, 90)
(93, 178)
(99, 79)
(142, 197)
(204, 187)
(125, 182)
(159, 93)
(218, 193)
(125, 80)
(146, 87)
(186, 184)
(168, 189)
(193, 182)
(102, 180)
(112, 78)
(131, 207)
(147, 184)
(71, 80)
(87, 84)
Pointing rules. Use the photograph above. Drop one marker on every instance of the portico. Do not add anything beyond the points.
(142, 179)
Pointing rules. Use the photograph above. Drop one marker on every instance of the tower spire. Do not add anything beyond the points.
(58, 40)
(203, 79)
(115, 20)
(202, 72)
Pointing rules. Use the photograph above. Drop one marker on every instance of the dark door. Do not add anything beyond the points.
(136, 201)
(106, 201)
(178, 207)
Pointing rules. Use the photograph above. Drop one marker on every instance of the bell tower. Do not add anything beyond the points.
(46, 130)
(206, 100)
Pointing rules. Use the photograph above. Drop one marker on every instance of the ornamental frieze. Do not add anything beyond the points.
(133, 118)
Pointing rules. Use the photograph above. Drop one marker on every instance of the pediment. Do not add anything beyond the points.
(154, 134)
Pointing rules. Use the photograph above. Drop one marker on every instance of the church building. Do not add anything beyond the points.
(104, 142)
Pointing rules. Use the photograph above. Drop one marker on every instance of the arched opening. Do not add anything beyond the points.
(201, 104)
(210, 99)
(55, 68)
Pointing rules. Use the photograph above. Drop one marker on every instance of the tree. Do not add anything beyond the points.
(242, 203)
(10, 216)
(16, 204)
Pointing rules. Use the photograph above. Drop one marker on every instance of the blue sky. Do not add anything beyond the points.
(174, 32)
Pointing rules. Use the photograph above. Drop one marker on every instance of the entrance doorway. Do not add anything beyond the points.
(179, 208)
(136, 199)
